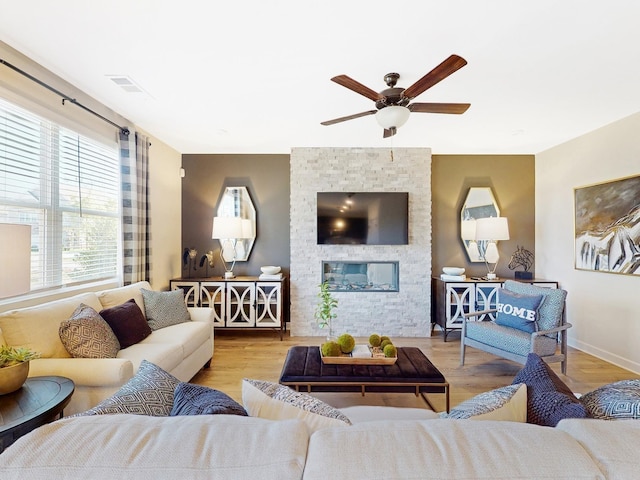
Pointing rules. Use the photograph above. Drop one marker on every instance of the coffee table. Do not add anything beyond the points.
(412, 373)
(39, 401)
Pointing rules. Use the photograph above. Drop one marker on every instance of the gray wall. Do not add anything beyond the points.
(267, 179)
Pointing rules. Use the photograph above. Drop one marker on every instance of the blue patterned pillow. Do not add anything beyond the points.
(190, 399)
(505, 403)
(518, 311)
(164, 309)
(549, 400)
(619, 400)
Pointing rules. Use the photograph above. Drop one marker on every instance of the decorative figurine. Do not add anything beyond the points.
(522, 258)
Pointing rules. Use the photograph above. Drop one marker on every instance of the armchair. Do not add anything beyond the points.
(515, 344)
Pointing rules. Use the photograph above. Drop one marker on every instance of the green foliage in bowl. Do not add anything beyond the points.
(10, 356)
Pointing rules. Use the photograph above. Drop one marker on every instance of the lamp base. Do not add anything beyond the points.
(491, 276)
(228, 275)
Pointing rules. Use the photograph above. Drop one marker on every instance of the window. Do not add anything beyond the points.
(67, 187)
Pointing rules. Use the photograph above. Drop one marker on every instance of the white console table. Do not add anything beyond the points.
(451, 299)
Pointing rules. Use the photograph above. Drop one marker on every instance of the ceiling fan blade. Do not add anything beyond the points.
(442, 71)
(357, 87)
(389, 132)
(456, 108)
(350, 117)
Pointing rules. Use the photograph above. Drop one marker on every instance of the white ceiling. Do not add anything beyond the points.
(252, 76)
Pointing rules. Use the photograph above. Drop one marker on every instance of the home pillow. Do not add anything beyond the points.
(619, 400)
(127, 322)
(190, 399)
(148, 392)
(278, 402)
(87, 335)
(549, 400)
(164, 309)
(518, 311)
(507, 403)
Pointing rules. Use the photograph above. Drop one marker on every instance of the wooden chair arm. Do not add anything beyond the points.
(552, 330)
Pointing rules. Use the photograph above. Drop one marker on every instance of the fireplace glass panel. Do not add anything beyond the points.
(361, 276)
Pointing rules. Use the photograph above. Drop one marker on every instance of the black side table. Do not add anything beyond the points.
(39, 401)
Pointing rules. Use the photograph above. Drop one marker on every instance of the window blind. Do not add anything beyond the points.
(67, 187)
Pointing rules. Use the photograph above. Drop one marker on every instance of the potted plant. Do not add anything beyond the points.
(325, 309)
(14, 367)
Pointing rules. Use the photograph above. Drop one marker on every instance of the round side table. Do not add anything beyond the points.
(39, 401)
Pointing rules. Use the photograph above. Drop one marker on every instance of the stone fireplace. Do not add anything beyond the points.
(405, 312)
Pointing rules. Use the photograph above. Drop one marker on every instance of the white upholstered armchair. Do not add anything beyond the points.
(548, 335)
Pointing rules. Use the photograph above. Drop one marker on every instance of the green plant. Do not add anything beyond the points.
(10, 356)
(325, 308)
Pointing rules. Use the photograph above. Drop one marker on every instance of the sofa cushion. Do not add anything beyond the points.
(166, 448)
(149, 392)
(117, 296)
(127, 322)
(189, 336)
(38, 327)
(439, 449)
(518, 311)
(164, 309)
(510, 339)
(278, 402)
(191, 399)
(505, 403)
(87, 335)
(619, 400)
(376, 413)
(165, 355)
(549, 399)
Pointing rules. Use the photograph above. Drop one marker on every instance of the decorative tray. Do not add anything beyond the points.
(361, 355)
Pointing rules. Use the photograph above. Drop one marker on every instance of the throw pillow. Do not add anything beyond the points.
(518, 311)
(506, 403)
(190, 399)
(148, 392)
(549, 400)
(164, 309)
(127, 322)
(619, 400)
(87, 335)
(279, 402)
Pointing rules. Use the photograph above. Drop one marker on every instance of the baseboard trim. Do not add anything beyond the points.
(605, 355)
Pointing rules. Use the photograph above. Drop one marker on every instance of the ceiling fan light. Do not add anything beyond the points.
(392, 116)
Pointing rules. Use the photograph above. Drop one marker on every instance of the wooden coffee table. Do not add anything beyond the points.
(412, 373)
(39, 401)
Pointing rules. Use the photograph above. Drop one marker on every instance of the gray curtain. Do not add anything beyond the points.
(136, 210)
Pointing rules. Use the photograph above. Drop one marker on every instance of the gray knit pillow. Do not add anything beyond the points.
(164, 309)
(87, 335)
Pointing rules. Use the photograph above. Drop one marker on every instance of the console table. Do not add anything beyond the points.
(451, 299)
(240, 302)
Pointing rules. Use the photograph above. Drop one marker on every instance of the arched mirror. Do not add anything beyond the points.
(236, 203)
(480, 203)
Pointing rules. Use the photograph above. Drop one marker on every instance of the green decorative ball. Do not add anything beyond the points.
(383, 338)
(384, 343)
(390, 350)
(374, 340)
(346, 342)
(331, 349)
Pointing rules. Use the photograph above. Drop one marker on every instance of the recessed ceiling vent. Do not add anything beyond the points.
(125, 83)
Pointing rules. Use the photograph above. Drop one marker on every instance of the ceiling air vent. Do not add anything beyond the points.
(125, 83)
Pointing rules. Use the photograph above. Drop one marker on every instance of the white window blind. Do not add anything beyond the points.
(67, 187)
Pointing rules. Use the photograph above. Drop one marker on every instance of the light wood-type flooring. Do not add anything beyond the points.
(261, 354)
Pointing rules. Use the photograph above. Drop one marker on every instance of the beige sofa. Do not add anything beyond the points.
(181, 349)
(232, 447)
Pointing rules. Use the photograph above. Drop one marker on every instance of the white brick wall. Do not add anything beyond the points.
(404, 313)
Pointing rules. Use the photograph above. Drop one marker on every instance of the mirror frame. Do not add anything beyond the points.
(479, 203)
(236, 202)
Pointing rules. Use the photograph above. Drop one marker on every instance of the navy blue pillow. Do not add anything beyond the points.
(191, 399)
(518, 311)
(549, 400)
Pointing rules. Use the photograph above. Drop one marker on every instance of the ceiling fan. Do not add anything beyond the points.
(393, 104)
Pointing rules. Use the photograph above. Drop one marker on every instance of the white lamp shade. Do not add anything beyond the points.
(227, 227)
(392, 116)
(493, 228)
(468, 230)
(15, 259)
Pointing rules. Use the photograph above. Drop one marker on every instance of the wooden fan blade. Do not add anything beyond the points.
(389, 132)
(357, 87)
(456, 108)
(350, 117)
(442, 71)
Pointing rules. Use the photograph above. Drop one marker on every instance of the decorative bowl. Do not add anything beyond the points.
(453, 270)
(270, 270)
(12, 378)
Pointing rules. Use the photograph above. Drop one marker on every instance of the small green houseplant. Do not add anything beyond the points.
(325, 309)
(10, 356)
(14, 367)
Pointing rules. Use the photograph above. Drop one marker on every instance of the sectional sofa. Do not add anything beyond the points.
(181, 349)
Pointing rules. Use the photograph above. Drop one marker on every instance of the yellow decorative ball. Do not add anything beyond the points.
(384, 343)
(346, 342)
(390, 350)
(374, 340)
(331, 349)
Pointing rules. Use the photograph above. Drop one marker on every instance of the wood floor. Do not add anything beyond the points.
(260, 355)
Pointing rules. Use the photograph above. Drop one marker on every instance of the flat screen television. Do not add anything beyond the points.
(363, 218)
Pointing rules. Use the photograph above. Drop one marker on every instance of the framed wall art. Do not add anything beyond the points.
(607, 226)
